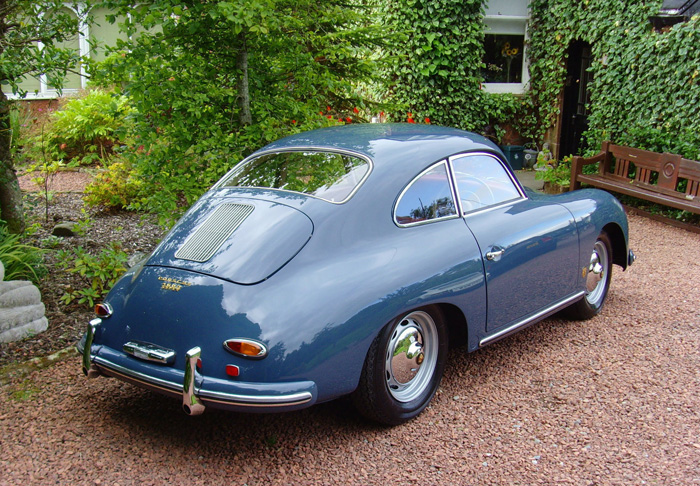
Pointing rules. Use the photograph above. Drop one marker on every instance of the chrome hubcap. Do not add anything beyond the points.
(597, 273)
(411, 356)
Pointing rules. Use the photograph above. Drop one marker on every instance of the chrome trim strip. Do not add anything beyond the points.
(219, 397)
(302, 149)
(493, 208)
(413, 181)
(175, 387)
(261, 401)
(530, 320)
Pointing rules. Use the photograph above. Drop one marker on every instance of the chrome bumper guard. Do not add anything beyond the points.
(88, 369)
(191, 403)
(631, 257)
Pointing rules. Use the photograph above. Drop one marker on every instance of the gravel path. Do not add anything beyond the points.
(611, 401)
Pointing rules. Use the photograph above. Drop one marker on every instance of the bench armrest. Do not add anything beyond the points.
(577, 164)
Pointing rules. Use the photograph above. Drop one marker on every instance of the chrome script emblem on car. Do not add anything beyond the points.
(173, 284)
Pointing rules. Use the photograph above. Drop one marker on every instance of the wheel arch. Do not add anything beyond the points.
(619, 244)
(456, 324)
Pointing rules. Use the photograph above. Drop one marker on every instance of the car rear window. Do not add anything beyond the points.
(327, 175)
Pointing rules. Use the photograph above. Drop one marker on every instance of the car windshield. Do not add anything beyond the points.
(326, 175)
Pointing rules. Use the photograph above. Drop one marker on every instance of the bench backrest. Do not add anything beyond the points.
(662, 171)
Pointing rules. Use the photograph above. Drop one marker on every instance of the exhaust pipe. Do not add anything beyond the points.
(191, 403)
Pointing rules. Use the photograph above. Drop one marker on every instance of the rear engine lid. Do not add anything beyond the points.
(241, 240)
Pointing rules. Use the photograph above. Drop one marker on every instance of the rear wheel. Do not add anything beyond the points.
(598, 276)
(403, 367)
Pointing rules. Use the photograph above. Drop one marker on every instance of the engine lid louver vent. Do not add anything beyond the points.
(204, 242)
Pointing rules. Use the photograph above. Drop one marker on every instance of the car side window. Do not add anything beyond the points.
(482, 181)
(427, 198)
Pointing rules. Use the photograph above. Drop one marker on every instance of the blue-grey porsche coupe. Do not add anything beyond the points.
(345, 261)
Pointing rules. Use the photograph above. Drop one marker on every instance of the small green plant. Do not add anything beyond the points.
(555, 172)
(22, 262)
(84, 223)
(50, 242)
(98, 273)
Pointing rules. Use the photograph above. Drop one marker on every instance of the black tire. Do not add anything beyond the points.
(598, 277)
(403, 367)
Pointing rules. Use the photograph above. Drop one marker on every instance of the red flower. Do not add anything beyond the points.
(410, 115)
(328, 108)
(410, 120)
(294, 122)
(329, 116)
(348, 119)
(427, 120)
(320, 113)
(356, 110)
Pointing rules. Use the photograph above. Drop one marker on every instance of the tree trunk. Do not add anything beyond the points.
(245, 117)
(10, 193)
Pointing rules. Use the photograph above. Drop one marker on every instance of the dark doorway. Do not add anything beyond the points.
(574, 119)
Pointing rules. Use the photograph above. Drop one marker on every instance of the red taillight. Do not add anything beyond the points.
(246, 348)
(103, 310)
(232, 370)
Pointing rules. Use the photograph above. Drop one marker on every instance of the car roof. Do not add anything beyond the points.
(388, 144)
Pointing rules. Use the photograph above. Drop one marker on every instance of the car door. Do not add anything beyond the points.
(529, 248)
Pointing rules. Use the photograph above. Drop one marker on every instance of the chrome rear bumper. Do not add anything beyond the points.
(196, 391)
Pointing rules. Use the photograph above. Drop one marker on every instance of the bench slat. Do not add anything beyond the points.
(642, 193)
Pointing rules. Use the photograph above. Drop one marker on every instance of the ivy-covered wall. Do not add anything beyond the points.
(435, 65)
(645, 90)
(646, 85)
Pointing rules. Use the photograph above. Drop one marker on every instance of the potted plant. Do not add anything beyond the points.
(555, 174)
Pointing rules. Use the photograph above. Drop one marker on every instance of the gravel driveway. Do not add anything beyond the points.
(610, 401)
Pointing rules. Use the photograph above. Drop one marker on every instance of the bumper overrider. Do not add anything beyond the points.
(196, 390)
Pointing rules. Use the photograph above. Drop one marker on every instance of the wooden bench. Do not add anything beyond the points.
(639, 173)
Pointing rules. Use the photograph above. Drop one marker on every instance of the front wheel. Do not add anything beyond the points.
(403, 367)
(598, 276)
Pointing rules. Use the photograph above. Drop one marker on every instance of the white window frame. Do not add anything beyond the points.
(515, 88)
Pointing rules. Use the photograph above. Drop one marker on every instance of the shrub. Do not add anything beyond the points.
(117, 186)
(98, 273)
(84, 130)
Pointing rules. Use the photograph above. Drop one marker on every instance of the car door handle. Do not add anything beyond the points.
(495, 254)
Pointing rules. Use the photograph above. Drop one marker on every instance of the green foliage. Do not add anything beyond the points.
(116, 186)
(436, 66)
(85, 130)
(554, 172)
(98, 273)
(26, 22)
(22, 262)
(188, 71)
(646, 85)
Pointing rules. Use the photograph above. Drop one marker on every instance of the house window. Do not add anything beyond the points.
(505, 56)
